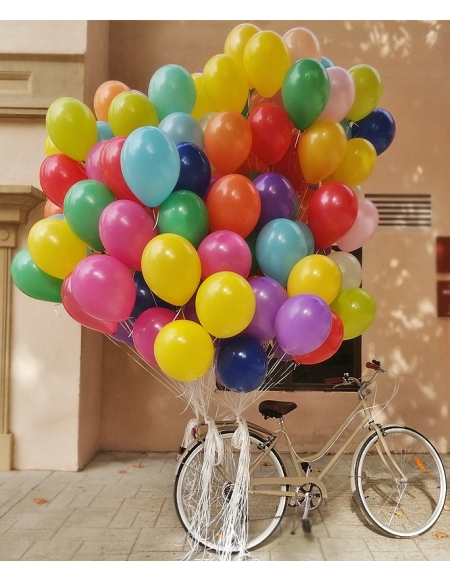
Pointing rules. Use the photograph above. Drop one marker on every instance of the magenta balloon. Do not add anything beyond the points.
(189, 311)
(277, 197)
(362, 229)
(146, 328)
(302, 323)
(270, 296)
(104, 288)
(125, 228)
(79, 315)
(92, 161)
(224, 250)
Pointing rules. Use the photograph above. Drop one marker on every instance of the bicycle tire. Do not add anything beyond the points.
(264, 511)
(400, 509)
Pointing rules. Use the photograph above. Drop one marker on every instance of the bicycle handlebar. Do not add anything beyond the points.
(374, 365)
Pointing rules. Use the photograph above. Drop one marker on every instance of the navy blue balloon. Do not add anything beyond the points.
(195, 169)
(145, 298)
(241, 363)
(378, 127)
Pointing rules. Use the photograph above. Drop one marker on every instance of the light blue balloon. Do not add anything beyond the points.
(326, 62)
(150, 164)
(172, 89)
(182, 127)
(309, 238)
(279, 246)
(103, 131)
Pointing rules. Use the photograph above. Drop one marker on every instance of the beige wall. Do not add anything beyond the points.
(72, 396)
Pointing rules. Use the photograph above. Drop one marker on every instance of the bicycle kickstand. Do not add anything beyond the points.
(306, 524)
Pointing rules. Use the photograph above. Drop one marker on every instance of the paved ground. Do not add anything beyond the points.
(120, 507)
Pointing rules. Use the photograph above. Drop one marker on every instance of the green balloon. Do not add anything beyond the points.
(32, 281)
(83, 206)
(184, 213)
(305, 92)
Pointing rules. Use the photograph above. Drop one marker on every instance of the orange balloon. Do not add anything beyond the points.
(302, 44)
(51, 208)
(233, 203)
(104, 95)
(228, 141)
(321, 149)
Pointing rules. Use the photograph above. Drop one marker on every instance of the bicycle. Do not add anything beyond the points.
(396, 474)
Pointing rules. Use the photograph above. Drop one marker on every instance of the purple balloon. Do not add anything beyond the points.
(302, 324)
(270, 296)
(124, 332)
(277, 197)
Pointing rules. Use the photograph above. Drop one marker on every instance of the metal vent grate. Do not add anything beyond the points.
(403, 210)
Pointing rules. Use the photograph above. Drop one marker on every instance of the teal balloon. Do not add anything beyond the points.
(279, 246)
(347, 128)
(150, 164)
(305, 92)
(184, 213)
(32, 281)
(171, 90)
(83, 206)
(309, 237)
(104, 131)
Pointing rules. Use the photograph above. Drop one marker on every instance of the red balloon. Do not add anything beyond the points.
(332, 211)
(109, 164)
(252, 165)
(289, 166)
(79, 315)
(57, 174)
(233, 203)
(271, 132)
(329, 347)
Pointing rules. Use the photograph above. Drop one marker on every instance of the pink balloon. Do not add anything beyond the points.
(79, 315)
(224, 250)
(302, 44)
(362, 229)
(146, 327)
(125, 228)
(92, 161)
(342, 94)
(104, 288)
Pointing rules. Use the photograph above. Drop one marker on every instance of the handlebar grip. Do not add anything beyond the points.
(374, 365)
(333, 380)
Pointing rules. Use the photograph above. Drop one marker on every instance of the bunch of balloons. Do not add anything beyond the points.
(196, 222)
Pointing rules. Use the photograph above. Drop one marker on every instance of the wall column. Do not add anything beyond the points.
(16, 202)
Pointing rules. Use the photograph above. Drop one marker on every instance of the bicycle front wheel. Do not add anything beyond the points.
(401, 493)
(264, 511)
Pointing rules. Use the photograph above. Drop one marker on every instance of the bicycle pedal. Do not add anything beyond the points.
(306, 526)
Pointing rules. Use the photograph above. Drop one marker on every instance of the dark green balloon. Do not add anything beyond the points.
(184, 213)
(83, 206)
(32, 281)
(305, 92)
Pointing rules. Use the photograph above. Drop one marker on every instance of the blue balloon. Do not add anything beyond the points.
(103, 131)
(241, 364)
(195, 169)
(378, 127)
(326, 62)
(279, 246)
(183, 127)
(309, 237)
(150, 164)
(145, 298)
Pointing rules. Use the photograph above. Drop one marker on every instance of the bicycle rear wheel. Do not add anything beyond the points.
(264, 511)
(400, 505)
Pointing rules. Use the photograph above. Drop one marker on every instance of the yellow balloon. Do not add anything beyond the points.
(203, 105)
(171, 268)
(50, 148)
(316, 274)
(225, 304)
(266, 62)
(130, 110)
(225, 83)
(72, 127)
(358, 163)
(237, 40)
(321, 149)
(368, 91)
(184, 350)
(55, 248)
(357, 309)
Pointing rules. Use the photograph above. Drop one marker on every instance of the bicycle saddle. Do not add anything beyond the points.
(275, 409)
